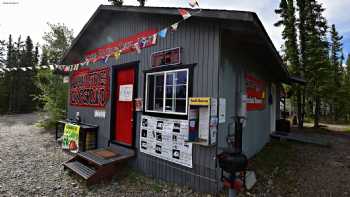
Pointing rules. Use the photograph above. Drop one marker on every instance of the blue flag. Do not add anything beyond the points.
(163, 32)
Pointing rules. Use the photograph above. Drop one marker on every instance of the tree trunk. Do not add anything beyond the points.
(317, 112)
(300, 109)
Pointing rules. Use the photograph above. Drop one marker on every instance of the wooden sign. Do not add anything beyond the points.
(255, 91)
(166, 57)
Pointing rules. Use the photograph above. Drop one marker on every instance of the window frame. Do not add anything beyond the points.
(164, 73)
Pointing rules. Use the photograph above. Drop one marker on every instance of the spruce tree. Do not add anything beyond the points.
(116, 2)
(289, 34)
(142, 2)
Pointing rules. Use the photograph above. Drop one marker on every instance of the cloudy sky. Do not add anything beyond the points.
(24, 17)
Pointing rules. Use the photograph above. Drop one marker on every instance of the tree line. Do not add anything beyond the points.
(313, 51)
(23, 91)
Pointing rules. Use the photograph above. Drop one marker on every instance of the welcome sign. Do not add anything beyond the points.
(90, 88)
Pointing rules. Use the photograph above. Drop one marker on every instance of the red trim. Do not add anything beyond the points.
(126, 45)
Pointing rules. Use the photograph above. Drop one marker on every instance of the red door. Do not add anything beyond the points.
(125, 81)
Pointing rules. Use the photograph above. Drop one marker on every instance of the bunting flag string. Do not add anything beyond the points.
(137, 46)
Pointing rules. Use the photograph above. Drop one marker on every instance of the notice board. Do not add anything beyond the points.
(166, 139)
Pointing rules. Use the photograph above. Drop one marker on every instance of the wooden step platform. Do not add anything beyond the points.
(98, 165)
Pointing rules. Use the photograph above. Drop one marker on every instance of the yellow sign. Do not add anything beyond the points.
(71, 137)
(200, 101)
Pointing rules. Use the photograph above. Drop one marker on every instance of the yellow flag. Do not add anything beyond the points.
(117, 54)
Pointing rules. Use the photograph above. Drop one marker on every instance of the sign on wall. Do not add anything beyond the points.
(255, 93)
(90, 88)
(165, 139)
(125, 92)
(166, 57)
(71, 137)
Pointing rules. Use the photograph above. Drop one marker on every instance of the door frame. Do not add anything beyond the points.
(273, 108)
(115, 69)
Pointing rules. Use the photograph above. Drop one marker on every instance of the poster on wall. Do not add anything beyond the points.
(255, 93)
(71, 137)
(166, 139)
(90, 87)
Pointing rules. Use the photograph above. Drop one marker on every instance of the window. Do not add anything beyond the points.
(167, 92)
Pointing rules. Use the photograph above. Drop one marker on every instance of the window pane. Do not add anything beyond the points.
(150, 89)
(181, 91)
(160, 80)
(158, 105)
(170, 79)
(159, 92)
(155, 92)
(169, 92)
(181, 77)
(169, 107)
(180, 105)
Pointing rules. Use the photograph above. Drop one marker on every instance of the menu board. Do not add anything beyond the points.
(165, 139)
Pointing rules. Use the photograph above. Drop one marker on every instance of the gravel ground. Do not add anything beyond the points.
(30, 165)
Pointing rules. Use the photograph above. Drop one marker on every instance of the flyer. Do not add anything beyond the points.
(166, 139)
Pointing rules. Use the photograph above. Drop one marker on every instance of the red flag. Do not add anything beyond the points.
(184, 13)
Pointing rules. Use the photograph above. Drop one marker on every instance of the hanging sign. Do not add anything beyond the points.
(166, 139)
(125, 45)
(200, 101)
(255, 92)
(90, 88)
(71, 137)
(166, 57)
(125, 92)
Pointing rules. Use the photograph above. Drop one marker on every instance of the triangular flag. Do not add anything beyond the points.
(137, 48)
(117, 54)
(44, 67)
(7, 69)
(184, 13)
(154, 40)
(66, 69)
(29, 68)
(163, 32)
(193, 3)
(52, 67)
(1, 70)
(24, 69)
(174, 26)
(106, 59)
(14, 69)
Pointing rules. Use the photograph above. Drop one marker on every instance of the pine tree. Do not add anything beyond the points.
(116, 2)
(142, 3)
(289, 34)
(336, 73)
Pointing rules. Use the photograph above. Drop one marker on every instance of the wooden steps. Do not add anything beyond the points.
(97, 165)
(80, 169)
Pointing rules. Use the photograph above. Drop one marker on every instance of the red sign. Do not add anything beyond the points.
(126, 45)
(166, 57)
(90, 88)
(255, 90)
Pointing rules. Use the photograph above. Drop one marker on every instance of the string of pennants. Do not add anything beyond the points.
(117, 53)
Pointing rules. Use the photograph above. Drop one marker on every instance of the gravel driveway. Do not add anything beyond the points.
(30, 165)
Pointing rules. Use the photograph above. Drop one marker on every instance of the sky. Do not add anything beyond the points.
(30, 17)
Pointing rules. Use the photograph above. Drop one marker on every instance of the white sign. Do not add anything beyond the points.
(125, 92)
(100, 114)
(222, 110)
(165, 139)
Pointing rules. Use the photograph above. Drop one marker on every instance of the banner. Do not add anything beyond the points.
(71, 137)
(90, 88)
(166, 139)
(125, 45)
(255, 93)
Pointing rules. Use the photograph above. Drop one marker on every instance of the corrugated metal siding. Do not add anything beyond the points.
(199, 40)
(234, 63)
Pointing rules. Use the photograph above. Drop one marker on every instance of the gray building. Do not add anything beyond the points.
(222, 54)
